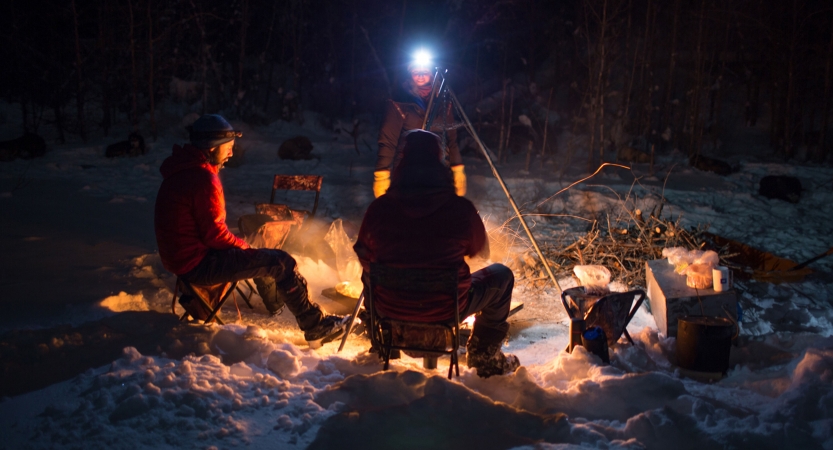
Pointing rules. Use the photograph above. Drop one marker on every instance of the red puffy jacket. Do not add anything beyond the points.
(421, 223)
(190, 216)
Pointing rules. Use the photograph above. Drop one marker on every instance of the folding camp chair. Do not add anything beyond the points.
(203, 302)
(428, 340)
(272, 223)
(611, 312)
(298, 183)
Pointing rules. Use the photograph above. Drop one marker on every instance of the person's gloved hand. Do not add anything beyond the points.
(381, 182)
(459, 179)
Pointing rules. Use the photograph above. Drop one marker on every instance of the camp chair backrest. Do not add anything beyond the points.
(428, 340)
(298, 183)
(611, 312)
(263, 230)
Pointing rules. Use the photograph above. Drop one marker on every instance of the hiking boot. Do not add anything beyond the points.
(488, 360)
(327, 330)
(272, 300)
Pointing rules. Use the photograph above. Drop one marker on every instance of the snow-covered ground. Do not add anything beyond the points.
(80, 272)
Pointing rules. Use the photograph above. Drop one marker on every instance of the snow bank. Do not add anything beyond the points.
(254, 383)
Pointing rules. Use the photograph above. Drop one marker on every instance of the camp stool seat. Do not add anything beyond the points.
(203, 302)
(612, 312)
(428, 340)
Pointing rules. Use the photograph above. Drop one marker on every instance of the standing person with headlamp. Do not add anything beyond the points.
(406, 111)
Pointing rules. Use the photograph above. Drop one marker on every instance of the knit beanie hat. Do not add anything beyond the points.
(421, 167)
(211, 130)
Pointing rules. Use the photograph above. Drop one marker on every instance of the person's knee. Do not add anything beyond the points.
(282, 264)
(502, 275)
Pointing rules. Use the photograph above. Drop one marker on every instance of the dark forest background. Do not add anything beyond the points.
(652, 75)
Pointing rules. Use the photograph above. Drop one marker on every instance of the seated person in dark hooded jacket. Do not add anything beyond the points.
(406, 111)
(421, 223)
(196, 245)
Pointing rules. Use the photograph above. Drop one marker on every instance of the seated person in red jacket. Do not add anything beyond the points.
(196, 245)
(421, 223)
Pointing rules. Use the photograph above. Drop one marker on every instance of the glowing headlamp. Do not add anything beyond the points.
(421, 61)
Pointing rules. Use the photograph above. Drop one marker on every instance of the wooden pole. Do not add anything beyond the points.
(488, 156)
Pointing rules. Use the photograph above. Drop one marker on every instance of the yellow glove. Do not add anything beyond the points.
(459, 179)
(381, 182)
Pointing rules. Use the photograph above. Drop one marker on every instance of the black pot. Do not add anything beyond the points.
(703, 343)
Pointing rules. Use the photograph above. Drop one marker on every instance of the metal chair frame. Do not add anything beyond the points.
(298, 183)
(426, 281)
(200, 292)
(590, 308)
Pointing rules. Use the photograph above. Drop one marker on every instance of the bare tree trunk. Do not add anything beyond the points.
(103, 49)
(477, 87)
(788, 102)
(600, 90)
(244, 25)
(134, 107)
(629, 90)
(533, 41)
(694, 115)
(59, 116)
(672, 62)
(509, 120)
(203, 57)
(79, 80)
(353, 59)
(151, 70)
(591, 88)
(721, 80)
(644, 121)
(297, 53)
(399, 37)
(502, 123)
(825, 114)
(546, 127)
(378, 61)
(266, 57)
(24, 112)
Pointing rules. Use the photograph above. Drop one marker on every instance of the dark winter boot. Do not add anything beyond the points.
(328, 329)
(318, 329)
(484, 355)
(292, 291)
(268, 292)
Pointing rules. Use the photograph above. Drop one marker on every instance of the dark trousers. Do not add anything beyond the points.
(272, 270)
(491, 297)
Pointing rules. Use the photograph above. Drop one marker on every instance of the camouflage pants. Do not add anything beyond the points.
(272, 270)
(490, 298)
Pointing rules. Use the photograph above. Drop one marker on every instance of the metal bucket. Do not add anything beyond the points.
(703, 343)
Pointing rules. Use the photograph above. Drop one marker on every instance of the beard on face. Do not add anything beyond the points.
(214, 157)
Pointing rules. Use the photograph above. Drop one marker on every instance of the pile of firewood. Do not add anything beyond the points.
(622, 245)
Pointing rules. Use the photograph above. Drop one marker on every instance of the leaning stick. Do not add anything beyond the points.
(488, 157)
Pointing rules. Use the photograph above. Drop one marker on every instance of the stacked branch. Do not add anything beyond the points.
(622, 244)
